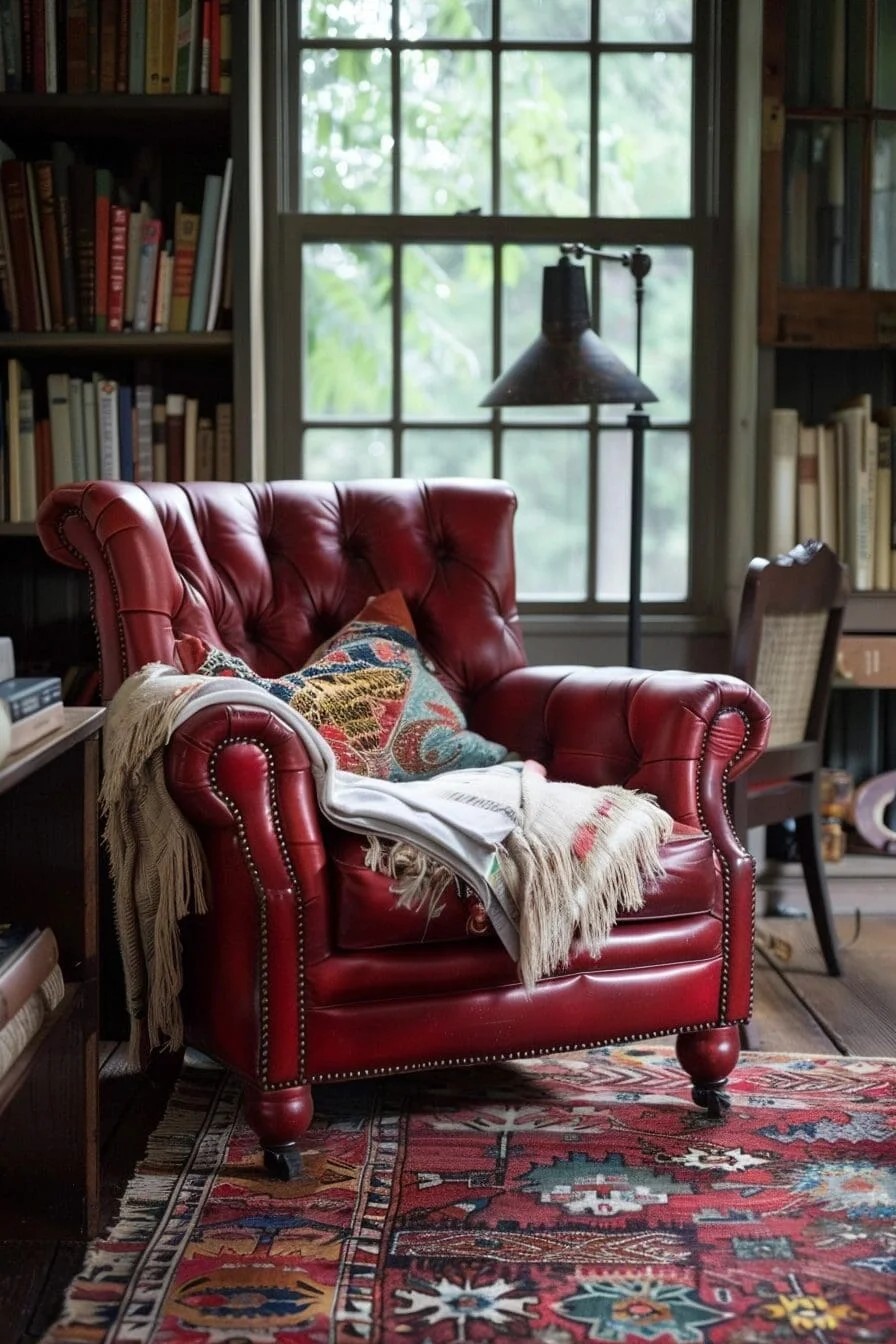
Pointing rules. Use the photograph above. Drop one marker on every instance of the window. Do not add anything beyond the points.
(435, 153)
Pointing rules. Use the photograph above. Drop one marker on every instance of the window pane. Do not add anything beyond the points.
(544, 133)
(664, 564)
(666, 328)
(645, 21)
(446, 452)
(346, 131)
(546, 20)
(445, 18)
(347, 346)
(549, 470)
(446, 131)
(347, 454)
(348, 18)
(644, 149)
(446, 331)
(522, 275)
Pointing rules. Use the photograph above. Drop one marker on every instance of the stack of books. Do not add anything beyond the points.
(31, 986)
(33, 707)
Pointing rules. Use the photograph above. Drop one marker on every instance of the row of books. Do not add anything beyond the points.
(76, 255)
(69, 428)
(835, 482)
(30, 707)
(115, 46)
(31, 986)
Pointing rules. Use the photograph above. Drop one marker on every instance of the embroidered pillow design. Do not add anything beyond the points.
(371, 694)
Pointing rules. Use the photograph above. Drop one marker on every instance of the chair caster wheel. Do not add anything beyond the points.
(715, 1102)
(284, 1164)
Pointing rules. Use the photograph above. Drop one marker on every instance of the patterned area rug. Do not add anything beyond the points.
(581, 1197)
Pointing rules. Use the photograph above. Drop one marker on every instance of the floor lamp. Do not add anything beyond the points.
(568, 364)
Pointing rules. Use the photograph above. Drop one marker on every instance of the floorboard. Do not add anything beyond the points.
(797, 1009)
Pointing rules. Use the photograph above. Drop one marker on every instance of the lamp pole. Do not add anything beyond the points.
(638, 421)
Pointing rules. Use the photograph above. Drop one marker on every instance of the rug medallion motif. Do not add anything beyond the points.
(577, 1198)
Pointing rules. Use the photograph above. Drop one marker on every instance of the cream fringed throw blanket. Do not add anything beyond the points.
(548, 860)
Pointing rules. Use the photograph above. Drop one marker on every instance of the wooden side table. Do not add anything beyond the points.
(49, 1149)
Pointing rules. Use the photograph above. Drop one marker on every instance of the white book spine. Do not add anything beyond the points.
(58, 396)
(143, 399)
(91, 440)
(214, 300)
(784, 446)
(107, 416)
(807, 512)
(827, 488)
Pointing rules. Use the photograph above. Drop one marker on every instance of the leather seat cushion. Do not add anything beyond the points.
(368, 917)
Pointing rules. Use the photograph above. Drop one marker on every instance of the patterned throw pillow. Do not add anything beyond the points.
(371, 693)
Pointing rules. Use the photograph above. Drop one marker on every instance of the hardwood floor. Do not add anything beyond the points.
(798, 1009)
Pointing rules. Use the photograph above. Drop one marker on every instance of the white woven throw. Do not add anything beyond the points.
(549, 860)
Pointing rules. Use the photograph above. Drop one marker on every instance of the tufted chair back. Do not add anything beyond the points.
(268, 572)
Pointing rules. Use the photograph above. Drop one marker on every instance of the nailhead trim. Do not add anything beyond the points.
(258, 885)
(454, 1061)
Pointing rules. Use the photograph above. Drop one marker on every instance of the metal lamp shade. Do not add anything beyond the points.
(568, 363)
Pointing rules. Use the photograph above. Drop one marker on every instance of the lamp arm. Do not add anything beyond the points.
(638, 262)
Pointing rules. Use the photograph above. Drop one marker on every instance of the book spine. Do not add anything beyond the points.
(108, 52)
(118, 256)
(91, 442)
(144, 460)
(185, 47)
(221, 227)
(167, 40)
(79, 445)
(102, 214)
(205, 248)
(175, 426)
(61, 155)
(224, 441)
(186, 232)
(132, 267)
(14, 448)
(205, 449)
(807, 518)
(125, 433)
(43, 174)
(44, 449)
(883, 515)
(137, 48)
(214, 50)
(38, 46)
(22, 696)
(83, 208)
(8, 289)
(159, 444)
(107, 416)
(76, 71)
(51, 46)
(162, 315)
(27, 454)
(93, 46)
(191, 422)
(150, 242)
(784, 441)
(38, 246)
(122, 51)
(153, 80)
(36, 726)
(205, 47)
(12, 49)
(15, 192)
(58, 397)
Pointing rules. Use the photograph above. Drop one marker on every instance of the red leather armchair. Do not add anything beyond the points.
(303, 971)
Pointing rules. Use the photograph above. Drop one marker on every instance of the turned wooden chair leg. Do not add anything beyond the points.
(280, 1117)
(709, 1057)
(808, 837)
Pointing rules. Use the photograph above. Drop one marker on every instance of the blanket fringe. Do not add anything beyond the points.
(418, 881)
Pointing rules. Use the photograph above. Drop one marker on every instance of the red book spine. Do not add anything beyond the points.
(15, 193)
(118, 256)
(101, 264)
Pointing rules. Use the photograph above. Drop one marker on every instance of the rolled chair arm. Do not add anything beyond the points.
(679, 735)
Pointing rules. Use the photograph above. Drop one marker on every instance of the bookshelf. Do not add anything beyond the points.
(158, 147)
(827, 278)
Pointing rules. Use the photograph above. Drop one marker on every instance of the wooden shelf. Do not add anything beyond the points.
(115, 116)
(124, 344)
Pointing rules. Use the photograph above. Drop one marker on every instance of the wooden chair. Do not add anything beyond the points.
(786, 647)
